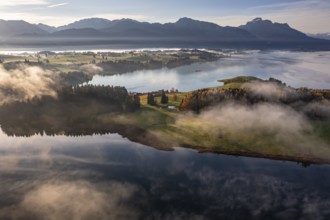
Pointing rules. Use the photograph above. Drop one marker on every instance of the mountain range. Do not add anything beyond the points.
(12, 28)
(184, 30)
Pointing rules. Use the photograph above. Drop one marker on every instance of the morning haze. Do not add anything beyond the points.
(164, 109)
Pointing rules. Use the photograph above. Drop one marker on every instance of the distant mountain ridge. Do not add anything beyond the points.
(47, 28)
(183, 30)
(18, 27)
(269, 31)
(96, 23)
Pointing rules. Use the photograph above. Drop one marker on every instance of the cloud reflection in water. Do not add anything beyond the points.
(109, 177)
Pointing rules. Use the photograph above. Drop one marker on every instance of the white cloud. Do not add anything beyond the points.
(279, 5)
(57, 5)
(22, 2)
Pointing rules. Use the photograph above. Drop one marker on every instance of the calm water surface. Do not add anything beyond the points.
(109, 177)
(297, 69)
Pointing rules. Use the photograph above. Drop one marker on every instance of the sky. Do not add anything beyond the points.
(309, 16)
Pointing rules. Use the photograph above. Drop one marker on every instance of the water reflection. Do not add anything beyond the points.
(109, 177)
(297, 69)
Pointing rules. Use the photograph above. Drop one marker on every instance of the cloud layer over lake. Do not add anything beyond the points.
(297, 69)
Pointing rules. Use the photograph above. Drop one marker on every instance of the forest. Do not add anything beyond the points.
(73, 111)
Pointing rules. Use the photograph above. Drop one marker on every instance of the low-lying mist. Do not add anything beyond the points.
(277, 93)
(91, 69)
(269, 90)
(27, 82)
(297, 69)
(264, 125)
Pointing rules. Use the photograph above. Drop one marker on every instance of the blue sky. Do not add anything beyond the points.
(310, 16)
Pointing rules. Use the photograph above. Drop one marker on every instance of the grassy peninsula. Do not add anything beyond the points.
(238, 118)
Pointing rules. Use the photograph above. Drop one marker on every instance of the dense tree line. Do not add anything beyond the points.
(78, 110)
(114, 95)
(75, 111)
(74, 78)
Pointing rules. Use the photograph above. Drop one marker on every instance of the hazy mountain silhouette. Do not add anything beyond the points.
(96, 23)
(187, 27)
(269, 31)
(184, 28)
(47, 28)
(18, 27)
(184, 32)
(82, 32)
(129, 27)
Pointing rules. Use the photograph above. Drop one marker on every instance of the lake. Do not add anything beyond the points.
(110, 177)
(297, 69)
